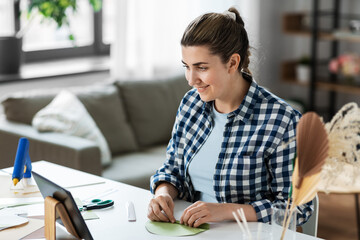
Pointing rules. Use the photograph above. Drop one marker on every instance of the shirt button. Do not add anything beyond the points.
(192, 150)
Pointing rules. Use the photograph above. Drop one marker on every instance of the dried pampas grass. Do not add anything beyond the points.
(312, 151)
(342, 167)
(313, 146)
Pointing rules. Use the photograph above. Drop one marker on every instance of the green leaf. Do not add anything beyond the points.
(96, 4)
(291, 187)
(64, 3)
(56, 10)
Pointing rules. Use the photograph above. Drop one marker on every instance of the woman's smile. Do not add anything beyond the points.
(202, 89)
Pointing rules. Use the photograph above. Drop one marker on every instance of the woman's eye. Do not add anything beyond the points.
(186, 66)
(203, 68)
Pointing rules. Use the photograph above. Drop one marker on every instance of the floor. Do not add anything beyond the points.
(337, 217)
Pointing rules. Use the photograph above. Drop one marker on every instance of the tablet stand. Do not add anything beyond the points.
(54, 208)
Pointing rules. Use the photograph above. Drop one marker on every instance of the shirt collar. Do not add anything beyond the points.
(246, 107)
(245, 110)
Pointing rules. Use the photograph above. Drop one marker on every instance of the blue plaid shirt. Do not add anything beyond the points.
(252, 166)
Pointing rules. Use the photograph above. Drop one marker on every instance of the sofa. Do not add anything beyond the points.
(135, 118)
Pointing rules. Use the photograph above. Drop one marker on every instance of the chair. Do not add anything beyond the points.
(311, 226)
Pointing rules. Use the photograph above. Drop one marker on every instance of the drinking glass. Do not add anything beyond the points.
(277, 221)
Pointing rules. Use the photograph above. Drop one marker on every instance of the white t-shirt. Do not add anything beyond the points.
(202, 166)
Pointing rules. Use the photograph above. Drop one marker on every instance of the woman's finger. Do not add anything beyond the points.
(188, 212)
(169, 212)
(171, 206)
(183, 216)
(200, 221)
(158, 213)
(151, 215)
(195, 217)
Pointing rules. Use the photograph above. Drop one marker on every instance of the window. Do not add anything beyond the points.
(43, 34)
(44, 41)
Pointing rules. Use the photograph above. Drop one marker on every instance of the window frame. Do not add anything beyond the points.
(97, 48)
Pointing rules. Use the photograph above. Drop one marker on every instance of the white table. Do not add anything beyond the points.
(112, 222)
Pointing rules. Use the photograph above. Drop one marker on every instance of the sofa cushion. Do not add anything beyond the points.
(151, 107)
(106, 107)
(66, 114)
(125, 167)
(102, 102)
(22, 106)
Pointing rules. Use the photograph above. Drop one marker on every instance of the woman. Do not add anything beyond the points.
(225, 152)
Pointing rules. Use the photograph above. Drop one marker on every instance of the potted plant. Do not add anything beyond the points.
(56, 11)
(303, 69)
(52, 10)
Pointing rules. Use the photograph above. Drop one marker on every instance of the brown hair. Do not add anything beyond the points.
(224, 34)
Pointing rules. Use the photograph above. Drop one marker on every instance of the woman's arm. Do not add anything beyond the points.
(202, 212)
(165, 188)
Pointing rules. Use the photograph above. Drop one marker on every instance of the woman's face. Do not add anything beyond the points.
(206, 72)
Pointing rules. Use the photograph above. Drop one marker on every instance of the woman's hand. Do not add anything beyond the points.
(202, 212)
(161, 208)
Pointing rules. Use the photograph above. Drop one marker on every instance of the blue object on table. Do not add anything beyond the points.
(22, 164)
(97, 204)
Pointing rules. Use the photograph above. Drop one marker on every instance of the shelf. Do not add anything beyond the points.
(293, 25)
(336, 87)
(332, 26)
(288, 75)
(348, 89)
(339, 36)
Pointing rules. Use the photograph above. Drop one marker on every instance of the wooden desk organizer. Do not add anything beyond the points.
(54, 209)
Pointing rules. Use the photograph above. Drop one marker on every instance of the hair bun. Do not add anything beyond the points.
(237, 18)
(232, 15)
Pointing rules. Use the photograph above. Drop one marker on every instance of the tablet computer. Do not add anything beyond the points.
(48, 188)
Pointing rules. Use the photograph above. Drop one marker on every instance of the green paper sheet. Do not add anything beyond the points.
(174, 229)
(87, 215)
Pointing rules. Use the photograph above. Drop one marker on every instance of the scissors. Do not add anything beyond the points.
(97, 204)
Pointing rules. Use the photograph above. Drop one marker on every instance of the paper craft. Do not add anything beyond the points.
(11, 221)
(7, 192)
(87, 215)
(16, 202)
(23, 230)
(174, 229)
(13, 211)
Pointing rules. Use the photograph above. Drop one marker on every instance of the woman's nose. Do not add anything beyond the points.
(192, 78)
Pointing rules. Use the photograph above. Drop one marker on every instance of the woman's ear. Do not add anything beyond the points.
(234, 62)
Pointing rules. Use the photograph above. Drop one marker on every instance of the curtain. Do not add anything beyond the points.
(7, 25)
(148, 33)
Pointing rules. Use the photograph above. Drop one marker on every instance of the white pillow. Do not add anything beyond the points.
(66, 114)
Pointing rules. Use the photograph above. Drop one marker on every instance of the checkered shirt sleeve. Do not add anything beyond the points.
(280, 167)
